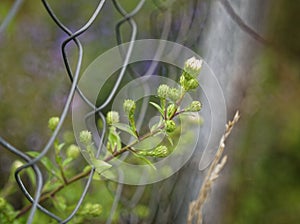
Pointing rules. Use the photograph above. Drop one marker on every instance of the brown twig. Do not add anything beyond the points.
(50, 194)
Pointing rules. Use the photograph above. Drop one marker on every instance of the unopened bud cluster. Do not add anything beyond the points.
(160, 152)
(188, 79)
(170, 126)
(73, 151)
(171, 110)
(53, 122)
(192, 67)
(112, 117)
(195, 106)
(91, 210)
(129, 107)
(174, 94)
(85, 137)
(164, 92)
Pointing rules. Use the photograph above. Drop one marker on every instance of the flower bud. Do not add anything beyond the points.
(160, 151)
(193, 66)
(171, 110)
(194, 107)
(112, 117)
(174, 94)
(92, 209)
(163, 91)
(188, 84)
(73, 151)
(53, 122)
(129, 107)
(85, 137)
(170, 126)
(192, 84)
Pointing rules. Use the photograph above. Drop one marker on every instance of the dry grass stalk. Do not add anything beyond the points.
(195, 207)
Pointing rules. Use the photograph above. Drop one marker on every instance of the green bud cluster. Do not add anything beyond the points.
(160, 152)
(192, 67)
(85, 137)
(170, 126)
(91, 210)
(188, 79)
(129, 107)
(171, 110)
(53, 122)
(195, 106)
(187, 83)
(174, 94)
(73, 151)
(112, 117)
(163, 91)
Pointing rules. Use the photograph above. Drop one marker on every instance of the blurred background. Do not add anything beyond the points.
(261, 183)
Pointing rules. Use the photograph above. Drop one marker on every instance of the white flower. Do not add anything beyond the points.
(194, 63)
(193, 66)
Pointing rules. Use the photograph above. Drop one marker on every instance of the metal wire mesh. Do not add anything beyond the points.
(183, 34)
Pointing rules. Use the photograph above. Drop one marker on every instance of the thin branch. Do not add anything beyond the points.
(52, 193)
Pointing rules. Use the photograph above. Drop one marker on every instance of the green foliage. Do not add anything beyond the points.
(7, 213)
(169, 109)
(62, 181)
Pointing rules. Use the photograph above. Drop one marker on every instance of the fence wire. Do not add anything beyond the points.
(185, 34)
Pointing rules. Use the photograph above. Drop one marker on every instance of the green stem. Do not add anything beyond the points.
(178, 102)
(129, 146)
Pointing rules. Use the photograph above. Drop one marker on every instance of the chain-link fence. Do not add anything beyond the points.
(184, 25)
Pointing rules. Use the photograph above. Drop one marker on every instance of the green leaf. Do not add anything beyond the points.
(60, 146)
(67, 161)
(169, 139)
(58, 159)
(144, 159)
(31, 174)
(158, 108)
(100, 165)
(51, 168)
(126, 128)
(114, 140)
